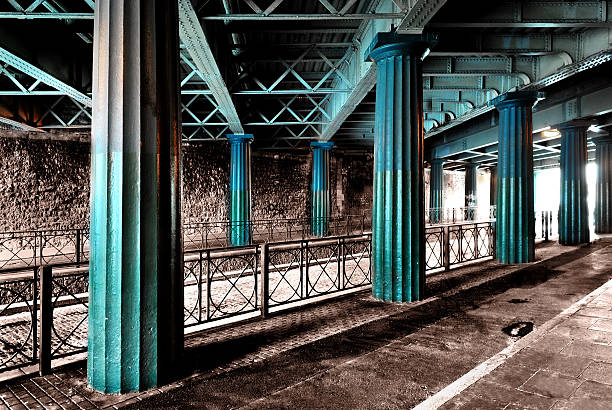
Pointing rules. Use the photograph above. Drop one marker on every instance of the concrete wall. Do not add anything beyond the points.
(44, 183)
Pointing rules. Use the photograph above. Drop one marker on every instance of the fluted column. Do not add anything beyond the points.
(436, 191)
(493, 186)
(240, 189)
(603, 185)
(573, 206)
(320, 195)
(398, 252)
(136, 278)
(515, 218)
(471, 181)
(493, 193)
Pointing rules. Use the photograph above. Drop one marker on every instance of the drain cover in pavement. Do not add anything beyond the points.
(518, 329)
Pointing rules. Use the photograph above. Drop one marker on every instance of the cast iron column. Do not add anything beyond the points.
(436, 191)
(136, 277)
(471, 181)
(320, 195)
(603, 185)
(493, 192)
(240, 189)
(515, 228)
(573, 207)
(398, 219)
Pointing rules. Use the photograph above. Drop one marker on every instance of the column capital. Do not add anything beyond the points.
(575, 124)
(437, 161)
(517, 98)
(239, 138)
(326, 145)
(602, 140)
(386, 44)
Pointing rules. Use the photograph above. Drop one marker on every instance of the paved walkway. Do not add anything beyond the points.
(360, 353)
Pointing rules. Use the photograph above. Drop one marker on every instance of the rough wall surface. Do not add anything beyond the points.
(44, 183)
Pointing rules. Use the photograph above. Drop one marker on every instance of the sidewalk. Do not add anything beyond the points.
(355, 352)
(566, 365)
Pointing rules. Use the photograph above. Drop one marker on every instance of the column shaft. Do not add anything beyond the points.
(603, 186)
(436, 191)
(573, 207)
(398, 251)
(136, 276)
(493, 187)
(515, 218)
(471, 181)
(240, 189)
(320, 195)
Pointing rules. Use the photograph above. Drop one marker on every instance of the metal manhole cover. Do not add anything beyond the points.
(518, 329)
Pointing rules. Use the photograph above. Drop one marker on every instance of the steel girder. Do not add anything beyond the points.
(197, 45)
(590, 104)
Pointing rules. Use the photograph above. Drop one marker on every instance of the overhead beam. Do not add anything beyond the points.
(38, 74)
(18, 125)
(588, 105)
(25, 15)
(418, 15)
(197, 45)
(302, 17)
(364, 73)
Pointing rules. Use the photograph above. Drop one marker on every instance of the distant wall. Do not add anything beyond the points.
(45, 183)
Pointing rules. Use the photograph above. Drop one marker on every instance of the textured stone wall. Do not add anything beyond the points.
(45, 183)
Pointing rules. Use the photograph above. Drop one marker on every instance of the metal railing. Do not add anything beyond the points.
(22, 249)
(451, 245)
(546, 224)
(43, 311)
(436, 216)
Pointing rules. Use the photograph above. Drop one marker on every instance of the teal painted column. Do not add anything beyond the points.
(471, 182)
(515, 230)
(320, 195)
(493, 194)
(436, 191)
(573, 205)
(493, 186)
(398, 219)
(135, 336)
(240, 189)
(603, 185)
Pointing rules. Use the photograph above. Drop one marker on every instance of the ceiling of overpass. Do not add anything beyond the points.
(293, 71)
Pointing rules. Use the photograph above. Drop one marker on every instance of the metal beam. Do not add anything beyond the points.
(38, 74)
(418, 15)
(197, 45)
(587, 105)
(24, 15)
(18, 125)
(302, 17)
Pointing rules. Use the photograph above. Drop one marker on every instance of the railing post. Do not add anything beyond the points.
(35, 313)
(493, 240)
(200, 262)
(78, 246)
(446, 247)
(46, 321)
(41, 247)
(265, 273)
(343, 256)
(339, 263)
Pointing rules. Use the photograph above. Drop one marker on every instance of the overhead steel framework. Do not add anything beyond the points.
(290, 72)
